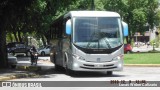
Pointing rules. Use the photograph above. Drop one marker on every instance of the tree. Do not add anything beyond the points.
(8, 11)
(46, 12)
(32, 16)
(137, 13)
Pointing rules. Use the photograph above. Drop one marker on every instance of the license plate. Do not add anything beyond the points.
(98, 65)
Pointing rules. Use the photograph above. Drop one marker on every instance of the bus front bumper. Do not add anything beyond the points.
(80, 65)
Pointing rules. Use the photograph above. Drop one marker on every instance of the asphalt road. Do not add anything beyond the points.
(128, 74)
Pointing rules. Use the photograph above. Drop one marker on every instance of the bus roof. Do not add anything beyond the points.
(92, 14)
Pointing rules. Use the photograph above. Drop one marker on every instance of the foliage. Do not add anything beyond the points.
(20, 18)
(41, 13)
(137, 13)
(12, 16)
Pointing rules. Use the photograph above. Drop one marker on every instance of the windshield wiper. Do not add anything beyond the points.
(90, 41)
(107, 42)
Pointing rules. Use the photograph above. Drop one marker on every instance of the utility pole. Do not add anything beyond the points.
(92, 5)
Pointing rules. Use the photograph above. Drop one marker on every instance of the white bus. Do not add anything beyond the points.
(88, 41)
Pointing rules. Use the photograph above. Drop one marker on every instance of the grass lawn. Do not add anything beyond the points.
(142, 58)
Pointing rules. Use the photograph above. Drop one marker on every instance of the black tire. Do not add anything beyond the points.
(13, 53)
(55, 65)
(43, 53)
(109, 73)
(128, 52)
(58, 68)
(70, 72)
(13, 66)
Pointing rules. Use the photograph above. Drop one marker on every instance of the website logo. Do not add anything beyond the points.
(6, 84)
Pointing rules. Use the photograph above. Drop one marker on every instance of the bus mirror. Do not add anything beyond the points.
(68, 27)
(125, 28)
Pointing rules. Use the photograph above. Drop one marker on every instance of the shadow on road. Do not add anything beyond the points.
(51, 73)
(94, 74)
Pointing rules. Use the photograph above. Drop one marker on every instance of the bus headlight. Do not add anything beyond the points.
(119, 57)
(78, 57)
(75, 65)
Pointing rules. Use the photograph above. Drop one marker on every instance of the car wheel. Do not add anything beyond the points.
(13, 53)
(128, 52)
(43, 53)
(13, 66)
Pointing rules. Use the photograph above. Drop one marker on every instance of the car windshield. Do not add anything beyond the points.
(97, 32)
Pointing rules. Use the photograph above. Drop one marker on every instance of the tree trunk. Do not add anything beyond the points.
(3, 50)
(10, 37)
(14, 33)
(48, 38)
(19, 36)
(43, 40)
(92, 5)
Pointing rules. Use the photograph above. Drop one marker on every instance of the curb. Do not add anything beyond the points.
(29, 68)
(32, 74)
(16, 76)
(142, 65)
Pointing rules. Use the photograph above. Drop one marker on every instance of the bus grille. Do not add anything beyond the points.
(98, 68)
(91, 65)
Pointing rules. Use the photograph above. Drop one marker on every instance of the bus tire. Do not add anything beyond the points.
(70, 72)
(109, 73)
(58, 68)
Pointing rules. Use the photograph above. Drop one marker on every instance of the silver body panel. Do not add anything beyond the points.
(106, 62)
(69, 56)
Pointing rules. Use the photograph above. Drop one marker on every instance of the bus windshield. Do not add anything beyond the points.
(97, 32)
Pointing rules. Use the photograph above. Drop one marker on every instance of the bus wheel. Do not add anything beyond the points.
(109, 73)
(57, 68)
(70, 72)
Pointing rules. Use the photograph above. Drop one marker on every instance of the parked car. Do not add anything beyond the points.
(17, 47)
(44, 51)
(127, 48)
(12, 61)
